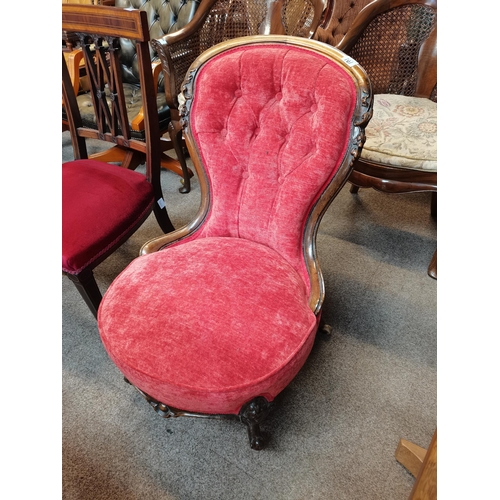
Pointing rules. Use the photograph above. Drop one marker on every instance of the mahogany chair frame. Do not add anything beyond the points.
(94, 25)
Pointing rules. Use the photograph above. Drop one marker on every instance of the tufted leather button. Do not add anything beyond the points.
(223, 132)
(281, 179)
(256, 131)
(279, 96)
(245, 174)
(314, 108)
(238, 93)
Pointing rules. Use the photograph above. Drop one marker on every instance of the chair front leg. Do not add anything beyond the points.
(252, 414)
(86, 284)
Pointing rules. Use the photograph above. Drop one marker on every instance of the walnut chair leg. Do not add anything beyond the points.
(85, 283)
(252, 414)
(354, 189)
(432, 269)
(175, 132)
(434, 204)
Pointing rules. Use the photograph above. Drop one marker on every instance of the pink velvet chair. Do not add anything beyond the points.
(273, 125)
(104, 204)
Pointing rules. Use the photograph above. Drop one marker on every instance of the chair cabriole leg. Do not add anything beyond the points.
(252, 414)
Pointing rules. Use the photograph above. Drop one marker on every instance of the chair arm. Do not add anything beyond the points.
(137, 123)
(172, 80)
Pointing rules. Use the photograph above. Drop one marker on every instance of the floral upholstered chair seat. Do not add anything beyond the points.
(402, 132)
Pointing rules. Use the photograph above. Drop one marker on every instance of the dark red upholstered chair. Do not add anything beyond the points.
(273, 124)
(104, 204)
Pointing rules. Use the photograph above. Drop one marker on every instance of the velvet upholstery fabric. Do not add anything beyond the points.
(260, 116)
(223, 316)
(209, 335)
(106, 201)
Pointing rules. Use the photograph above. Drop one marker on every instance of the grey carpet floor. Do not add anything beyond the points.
(336, 427)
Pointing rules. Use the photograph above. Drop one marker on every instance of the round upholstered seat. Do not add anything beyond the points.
(245, 331)
(402, 132)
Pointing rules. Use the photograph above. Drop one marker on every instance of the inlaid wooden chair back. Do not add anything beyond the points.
(99, 30)
(162, 18)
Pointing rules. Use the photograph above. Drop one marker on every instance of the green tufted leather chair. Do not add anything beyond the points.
(164, 17)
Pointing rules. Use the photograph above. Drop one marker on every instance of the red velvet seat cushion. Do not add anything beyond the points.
(100, 204)
(208, 325)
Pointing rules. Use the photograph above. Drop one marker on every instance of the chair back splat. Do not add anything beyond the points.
(273, 125)
(162, 18)
(104, 204)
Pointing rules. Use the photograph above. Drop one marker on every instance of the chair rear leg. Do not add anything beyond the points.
(175, 133)
(354, 189)
(434, 207)
(162, 217)
(85, 283)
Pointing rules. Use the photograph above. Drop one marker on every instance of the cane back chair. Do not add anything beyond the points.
(254, 119)
(395, 41)
(104, 204)
(216, 21)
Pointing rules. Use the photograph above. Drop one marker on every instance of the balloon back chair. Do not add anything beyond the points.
(163, 18)
(395, 42)
(273, 124)
(104, 204)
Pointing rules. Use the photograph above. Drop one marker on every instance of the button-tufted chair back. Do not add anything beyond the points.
(262, 141)
(164, 17)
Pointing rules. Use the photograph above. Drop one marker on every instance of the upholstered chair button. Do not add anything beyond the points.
(238, 93)
(223, 132)
(244, 175)
(314, 108)
(281, 179)
(279, 95)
